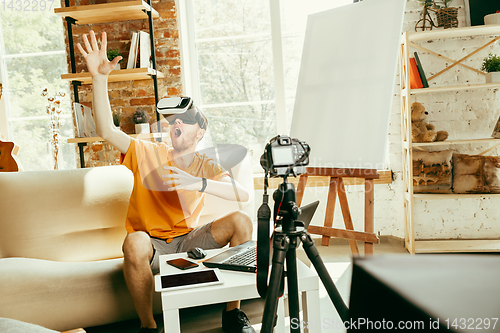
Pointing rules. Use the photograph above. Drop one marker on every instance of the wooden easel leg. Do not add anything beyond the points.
(369, 212)
(346, 214)
(330, 208)
(301, 188)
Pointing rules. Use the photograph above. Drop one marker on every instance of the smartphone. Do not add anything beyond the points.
(182, 263)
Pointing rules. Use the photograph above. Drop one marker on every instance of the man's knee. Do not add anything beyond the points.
(137, 246)
(242, 223)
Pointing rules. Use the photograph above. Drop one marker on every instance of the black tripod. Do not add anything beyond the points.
(287, 237)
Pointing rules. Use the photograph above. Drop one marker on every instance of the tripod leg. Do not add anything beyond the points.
(280, 247)
(293, 287)
(313, 255)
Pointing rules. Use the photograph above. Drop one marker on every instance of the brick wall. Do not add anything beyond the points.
(128, 96)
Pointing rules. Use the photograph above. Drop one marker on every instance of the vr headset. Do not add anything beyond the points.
(183, 108)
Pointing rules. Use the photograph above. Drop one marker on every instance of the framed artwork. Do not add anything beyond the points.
(476, 10)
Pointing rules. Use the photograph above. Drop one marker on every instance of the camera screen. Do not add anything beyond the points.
(283, 155)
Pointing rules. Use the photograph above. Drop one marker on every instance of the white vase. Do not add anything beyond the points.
(492, 18)
(142, 128)
(492, 77)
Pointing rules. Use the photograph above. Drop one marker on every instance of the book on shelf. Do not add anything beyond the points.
(84, 119)
(133, 51)
(415, 81)
(140, 51)
(421, 72)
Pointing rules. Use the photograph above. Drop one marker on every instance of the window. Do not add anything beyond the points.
(33, 57)
(241, 62)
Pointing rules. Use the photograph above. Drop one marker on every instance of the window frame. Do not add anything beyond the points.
(189, 60)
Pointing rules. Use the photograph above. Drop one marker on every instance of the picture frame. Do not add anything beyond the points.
(476, 10)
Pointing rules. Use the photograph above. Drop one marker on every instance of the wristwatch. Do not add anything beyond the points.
(204, 185)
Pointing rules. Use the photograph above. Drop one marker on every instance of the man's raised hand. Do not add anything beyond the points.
(97, 59)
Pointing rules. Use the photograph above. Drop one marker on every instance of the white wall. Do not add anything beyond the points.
(464, 114)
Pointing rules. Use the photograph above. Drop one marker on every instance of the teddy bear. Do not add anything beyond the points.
(421, 130)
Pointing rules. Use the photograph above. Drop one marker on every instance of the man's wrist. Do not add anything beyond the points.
(100, 78)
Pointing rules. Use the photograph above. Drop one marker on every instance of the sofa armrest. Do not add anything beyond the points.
(64, 215)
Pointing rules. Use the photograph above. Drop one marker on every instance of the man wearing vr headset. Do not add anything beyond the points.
(168, 194)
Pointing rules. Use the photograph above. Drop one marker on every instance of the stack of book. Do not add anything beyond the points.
(417, 74)
(140, 51)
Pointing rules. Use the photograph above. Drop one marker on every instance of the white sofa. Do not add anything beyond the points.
(61, 234)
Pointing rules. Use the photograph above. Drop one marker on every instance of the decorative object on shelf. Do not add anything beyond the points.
(117, 117)
(496, 130)
(476, 174)
(140, 119)
(53, 109)
(447, 17)
(113, 53)
(492, 18)
(491, 65)
(84, 119)
(449, 172)
(421, 130)
(432, 171)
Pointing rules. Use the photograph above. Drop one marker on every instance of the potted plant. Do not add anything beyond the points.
(113, 53)
(492, 18)
(491, 65)
(116, 118)
(140, 119)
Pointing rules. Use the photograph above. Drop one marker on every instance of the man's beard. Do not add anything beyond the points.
(186, 142)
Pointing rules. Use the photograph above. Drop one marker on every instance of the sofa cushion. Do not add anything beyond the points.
(15, 326)
(64, 215)
(66, 295)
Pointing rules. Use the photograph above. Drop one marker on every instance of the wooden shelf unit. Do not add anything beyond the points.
(133, 74)
(147, 136)
(450, 245)
(104, 13)
(107, 12)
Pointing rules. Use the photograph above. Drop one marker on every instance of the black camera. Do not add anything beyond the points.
(284, 155)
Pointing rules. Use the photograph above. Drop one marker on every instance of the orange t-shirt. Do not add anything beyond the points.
(161, 213)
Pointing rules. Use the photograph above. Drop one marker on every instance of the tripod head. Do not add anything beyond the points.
(282, 156)
(285, 207)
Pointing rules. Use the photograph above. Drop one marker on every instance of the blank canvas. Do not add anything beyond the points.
(347, 82)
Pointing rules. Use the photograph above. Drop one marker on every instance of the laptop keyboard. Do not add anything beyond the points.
(247, 257)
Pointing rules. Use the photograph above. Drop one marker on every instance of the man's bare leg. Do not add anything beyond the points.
(138, 253)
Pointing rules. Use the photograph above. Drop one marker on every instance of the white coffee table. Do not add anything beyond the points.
(236, 286)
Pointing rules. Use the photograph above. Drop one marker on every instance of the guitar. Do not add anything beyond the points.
(8, 150)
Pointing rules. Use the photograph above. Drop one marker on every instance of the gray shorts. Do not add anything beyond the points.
(199, 237)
